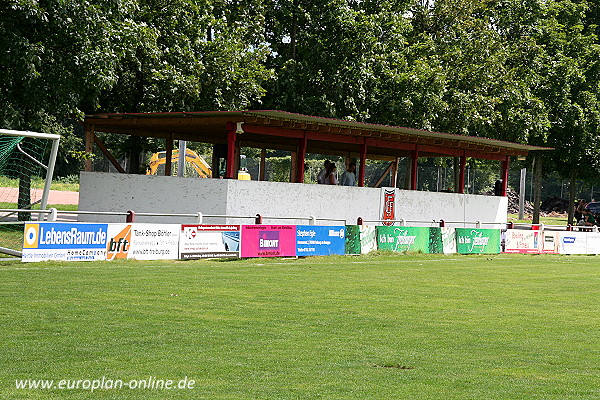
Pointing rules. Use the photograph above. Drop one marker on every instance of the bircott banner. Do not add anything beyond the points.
(209, 241)
(143, 241)
(360, 239)
(406, 238)
(477, 241)
(268, 241)
(44, 241)
(314, 240)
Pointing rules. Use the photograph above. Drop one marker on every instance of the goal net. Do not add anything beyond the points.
(27, 162)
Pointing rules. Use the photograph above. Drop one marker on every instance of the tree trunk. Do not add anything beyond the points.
(572, 190)
(537, 190)
(135, 152)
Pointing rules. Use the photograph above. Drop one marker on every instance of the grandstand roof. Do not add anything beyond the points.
(281, 130)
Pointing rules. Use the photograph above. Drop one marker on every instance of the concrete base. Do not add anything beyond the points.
(277, 202)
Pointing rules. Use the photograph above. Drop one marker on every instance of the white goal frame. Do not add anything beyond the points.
(51, 162)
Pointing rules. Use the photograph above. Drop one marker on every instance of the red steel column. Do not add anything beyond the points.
(301, 154)
(461, 176)
(231, 139)
(414, 158)
(505, 168)
(363, 164)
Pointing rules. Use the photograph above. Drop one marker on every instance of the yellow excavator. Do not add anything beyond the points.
(196, 161)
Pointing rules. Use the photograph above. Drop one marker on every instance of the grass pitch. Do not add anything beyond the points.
(372, 327)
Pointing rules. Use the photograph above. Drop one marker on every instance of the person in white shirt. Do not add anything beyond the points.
(330, 177)
(323, 173)
(348, 178)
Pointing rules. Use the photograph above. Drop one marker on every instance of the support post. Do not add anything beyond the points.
(263, 164)
(301, 156)
(293, 166)
(231, 139)
(394, 180)
(362, 166)
(522, 193)
(505, 169)
(461, 176)
(181, 158)
(169, 157)
(414, 158)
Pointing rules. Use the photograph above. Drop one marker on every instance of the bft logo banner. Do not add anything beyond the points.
(388, 212)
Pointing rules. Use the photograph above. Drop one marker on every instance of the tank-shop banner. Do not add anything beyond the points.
(143, 241)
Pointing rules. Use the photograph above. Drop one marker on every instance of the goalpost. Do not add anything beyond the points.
(19, 159)
(19, 135)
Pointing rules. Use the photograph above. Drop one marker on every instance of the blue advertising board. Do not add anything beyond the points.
(313, 240)
(64, 241)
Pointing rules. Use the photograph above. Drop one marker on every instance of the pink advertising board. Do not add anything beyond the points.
(268, 241)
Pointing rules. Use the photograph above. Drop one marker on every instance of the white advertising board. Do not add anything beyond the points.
(209, 241)
(522, 241)
(593, 243)
(143, 241)
(572, 242)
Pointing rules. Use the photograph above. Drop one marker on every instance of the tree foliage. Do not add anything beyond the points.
(525, 71)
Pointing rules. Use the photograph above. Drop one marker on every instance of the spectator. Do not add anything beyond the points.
(588, 219)
(330, 177)
(580, 207)
(348, 178)
(323, 172)
(498, 188)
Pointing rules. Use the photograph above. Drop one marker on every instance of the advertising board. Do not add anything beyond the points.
(268, 241)
(407, 238)
(448, 240)
(143, 241)
(572, 243)
(44, 241)
(477, 241)
(209, 241)
(313, 240)
(360, 239)
(523, 241)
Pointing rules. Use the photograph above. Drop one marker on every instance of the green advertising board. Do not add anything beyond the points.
(477, 241)
(360, 239)
(409, 238)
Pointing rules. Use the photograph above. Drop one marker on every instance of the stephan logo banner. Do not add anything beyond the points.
(143, 241)
(408, 238)
(209, 241)
(312, 240)
(44, 241)
(477, 241)
(268, 241)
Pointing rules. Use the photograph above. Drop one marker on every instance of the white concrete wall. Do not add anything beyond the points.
(141, 193)
(99, 191)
